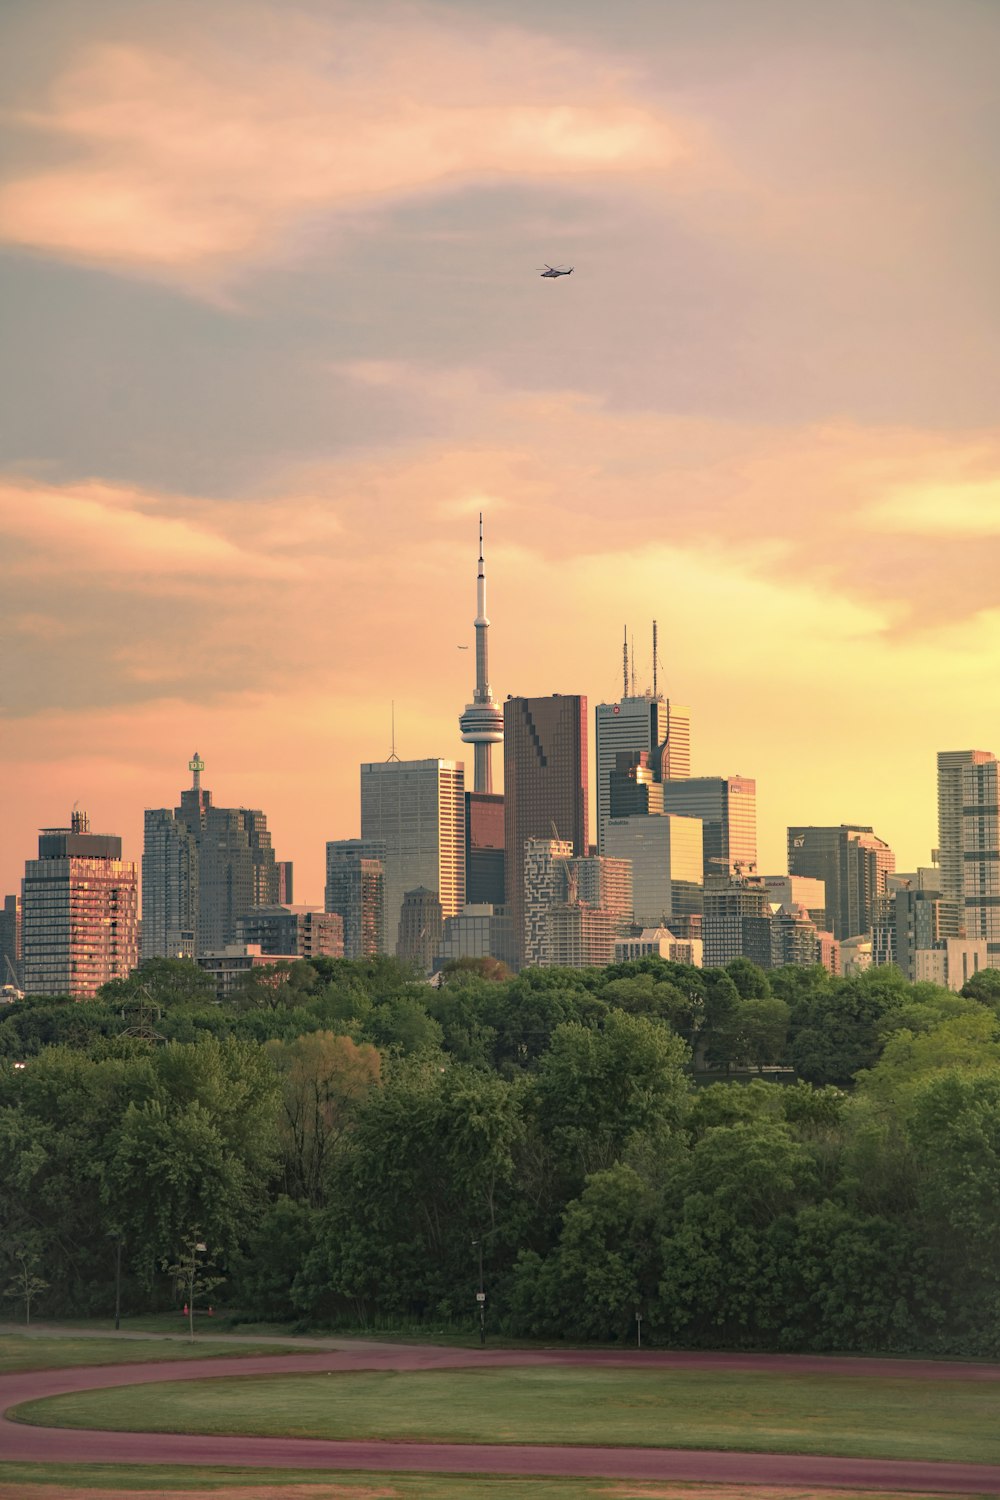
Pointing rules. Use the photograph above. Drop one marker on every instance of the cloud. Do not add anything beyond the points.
(220, 147)
(99, 530)
(959, 509)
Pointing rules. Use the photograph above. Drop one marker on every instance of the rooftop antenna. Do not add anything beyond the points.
(633, 664)
(392, 753)
(654, 659)
(625, 665)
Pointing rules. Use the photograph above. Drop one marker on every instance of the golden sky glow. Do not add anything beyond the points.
(276, 336)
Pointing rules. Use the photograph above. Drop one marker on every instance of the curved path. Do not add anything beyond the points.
(21, 1443)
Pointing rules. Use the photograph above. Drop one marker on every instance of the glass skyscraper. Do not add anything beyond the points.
(416, 809)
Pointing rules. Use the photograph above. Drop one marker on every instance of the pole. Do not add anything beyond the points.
(118, 1283)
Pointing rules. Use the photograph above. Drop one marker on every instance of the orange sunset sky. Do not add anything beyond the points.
(274, 335)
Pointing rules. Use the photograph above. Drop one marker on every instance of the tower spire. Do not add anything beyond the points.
(482, 722)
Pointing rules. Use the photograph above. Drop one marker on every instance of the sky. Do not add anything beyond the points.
(274, 335)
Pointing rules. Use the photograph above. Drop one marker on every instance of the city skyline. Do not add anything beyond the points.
(257, 390)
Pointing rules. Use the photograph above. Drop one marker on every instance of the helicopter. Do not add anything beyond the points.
(557, 270)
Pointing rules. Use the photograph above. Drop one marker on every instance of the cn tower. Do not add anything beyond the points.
(482, 722)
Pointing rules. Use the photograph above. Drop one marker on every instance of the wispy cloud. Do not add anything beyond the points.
(216, 149)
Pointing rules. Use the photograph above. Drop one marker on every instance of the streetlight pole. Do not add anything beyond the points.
(481, 1295)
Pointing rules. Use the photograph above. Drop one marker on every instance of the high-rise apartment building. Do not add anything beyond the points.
(81, 912)
(574, 907)
(545, 786)
(736, 921)
(11, 976)
(727, 807)
(951, 767)
(203, 867)
(355, 890)
(853, 863)
(304, 931)
(416, 808)
(981, 854)
(640, 723)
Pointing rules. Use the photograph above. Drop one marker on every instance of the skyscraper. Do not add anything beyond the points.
(981, 854)
(355, 889)
(421, 926)
(651, 723)
(727, 807)
(81, 912)
(853, 863)
(545, 786)
(481, 722)
(484, 882)
(203, 867)
(665, 851)
(416, 809)
(951, 766)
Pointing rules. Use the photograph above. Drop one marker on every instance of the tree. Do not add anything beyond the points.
(750, 980)
(324, 1081)
(191, 1274)
(26, 1284)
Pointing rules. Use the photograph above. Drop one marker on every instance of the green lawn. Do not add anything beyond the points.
(17, 1482)
(757, 1412)
(36, 1352)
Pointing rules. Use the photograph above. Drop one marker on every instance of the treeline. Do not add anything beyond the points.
(353, 1147)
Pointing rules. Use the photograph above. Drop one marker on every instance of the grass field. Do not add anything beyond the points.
(756, 1412)
(36, 1352)
(104, 1482)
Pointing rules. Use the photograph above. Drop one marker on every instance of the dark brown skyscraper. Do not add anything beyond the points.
(545, 785)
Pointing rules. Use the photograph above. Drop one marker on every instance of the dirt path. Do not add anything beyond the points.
(20, 1443)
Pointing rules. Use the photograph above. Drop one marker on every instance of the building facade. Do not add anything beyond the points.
(305, 931)
(951, 768)
(484, 880)
(203, 868)
(416, 809)
(355, 891)
(981, 854)
(640, 723)
(545, 787)
(421, 928)
(666, 857)
(80, 913)
(853, 864)
(727, 807)
(11, 940)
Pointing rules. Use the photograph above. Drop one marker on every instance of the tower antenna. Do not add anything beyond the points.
(655, 661)
(625, 664)
(633, 664)
(392, 753)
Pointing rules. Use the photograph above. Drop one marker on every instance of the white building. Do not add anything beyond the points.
(660, 942)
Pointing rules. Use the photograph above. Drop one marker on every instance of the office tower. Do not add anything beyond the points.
(666, 857)
(203, 868)
(305, 931)
(481, 722)
(81, 912)
(11, 975)
(736, 920)
(545, 785)
(727, 807)
(484, 882)
(852, 863)
(649, 722)
(286, 883)
(416, 808)
(355, 890)
(421, 926)
(951, 767)
(981, 854)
